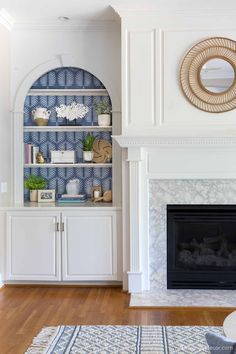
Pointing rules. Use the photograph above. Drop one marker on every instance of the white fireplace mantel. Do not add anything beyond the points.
(170, 157)
(129, 141)
(163, 135)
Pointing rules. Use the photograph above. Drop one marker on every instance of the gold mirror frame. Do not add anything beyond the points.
(198, 55)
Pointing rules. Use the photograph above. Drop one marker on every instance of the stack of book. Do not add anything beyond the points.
(30, 153)
(72, 198)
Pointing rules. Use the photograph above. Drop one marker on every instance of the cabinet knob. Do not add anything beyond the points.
(62, 227)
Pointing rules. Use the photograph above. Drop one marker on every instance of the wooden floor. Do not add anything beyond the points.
(24, 311)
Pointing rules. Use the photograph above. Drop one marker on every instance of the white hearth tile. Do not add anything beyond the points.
(184, 298)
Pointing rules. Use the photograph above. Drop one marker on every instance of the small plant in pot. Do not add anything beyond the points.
(103, 110)
(33, 183)
(88, 147)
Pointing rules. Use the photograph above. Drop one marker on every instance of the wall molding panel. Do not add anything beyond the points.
(152, 99)
(139, 77)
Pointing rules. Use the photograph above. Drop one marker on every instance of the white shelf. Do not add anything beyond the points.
(87, 204)
(67, 92)
(67, 128)
(58, 165)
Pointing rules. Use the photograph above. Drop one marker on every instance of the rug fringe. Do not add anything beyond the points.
(42, 340)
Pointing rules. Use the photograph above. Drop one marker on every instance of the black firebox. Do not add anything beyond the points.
(201, 246)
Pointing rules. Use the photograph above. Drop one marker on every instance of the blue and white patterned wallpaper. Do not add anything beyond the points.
(50, 102)
(67, 78)
(47, 141)
(63, 78)
(58, 177)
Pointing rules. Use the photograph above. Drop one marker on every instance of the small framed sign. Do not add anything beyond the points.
(46, 195)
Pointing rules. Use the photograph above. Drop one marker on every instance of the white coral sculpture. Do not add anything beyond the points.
(72, 111)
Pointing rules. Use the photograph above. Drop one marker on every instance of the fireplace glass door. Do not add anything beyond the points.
(201, 246)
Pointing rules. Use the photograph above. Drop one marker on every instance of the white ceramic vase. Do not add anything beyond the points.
(104, 120)
(88, 156)
(72, 187)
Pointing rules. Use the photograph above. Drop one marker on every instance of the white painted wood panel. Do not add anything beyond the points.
(153, 46)
(89, 245)
(179, 114)
(33, 246)
(182, 162)
(139, 79)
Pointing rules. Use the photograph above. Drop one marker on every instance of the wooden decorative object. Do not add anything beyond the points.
(193, 62)
(107, 197)
(102, 151)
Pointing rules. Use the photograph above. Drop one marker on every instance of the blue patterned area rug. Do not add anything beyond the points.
(122, 340)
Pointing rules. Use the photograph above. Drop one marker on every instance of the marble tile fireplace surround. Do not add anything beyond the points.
(172, 171)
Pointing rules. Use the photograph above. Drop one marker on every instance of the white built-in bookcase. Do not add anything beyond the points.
(20, 129)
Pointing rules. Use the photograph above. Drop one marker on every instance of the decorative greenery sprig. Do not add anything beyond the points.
(88, 142)
(102, 107)
(35, 182)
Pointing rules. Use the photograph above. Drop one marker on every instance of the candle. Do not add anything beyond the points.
(96, 194)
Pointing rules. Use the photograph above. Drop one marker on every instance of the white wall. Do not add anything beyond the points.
(153, 46)
(95, 48)
(5, 119)
(5, 134)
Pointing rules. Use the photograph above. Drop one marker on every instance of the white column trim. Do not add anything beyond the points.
(135, 273)
(18, 156)
(125, 218)
(134, 216)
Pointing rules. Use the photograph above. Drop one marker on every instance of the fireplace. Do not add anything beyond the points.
(201, 246)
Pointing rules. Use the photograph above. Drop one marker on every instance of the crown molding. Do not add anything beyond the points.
(6, 19)
(159, 11)
(155, 141)
(90, 26)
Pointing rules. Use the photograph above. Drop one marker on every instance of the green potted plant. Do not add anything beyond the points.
(103, 110)
(33, 183)
(88, 147)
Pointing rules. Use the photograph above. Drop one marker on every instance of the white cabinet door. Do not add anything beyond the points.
(89, 244)
(33, 246)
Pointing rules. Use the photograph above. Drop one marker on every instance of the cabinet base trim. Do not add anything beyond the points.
(64, 284)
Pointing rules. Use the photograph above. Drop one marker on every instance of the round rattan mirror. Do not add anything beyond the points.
(208, 75)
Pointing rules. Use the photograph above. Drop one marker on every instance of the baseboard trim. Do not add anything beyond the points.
(134, 282)
(181, 308)
(64, 284)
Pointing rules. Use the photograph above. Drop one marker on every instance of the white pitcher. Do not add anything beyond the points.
(41, 112)
(72, 186)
